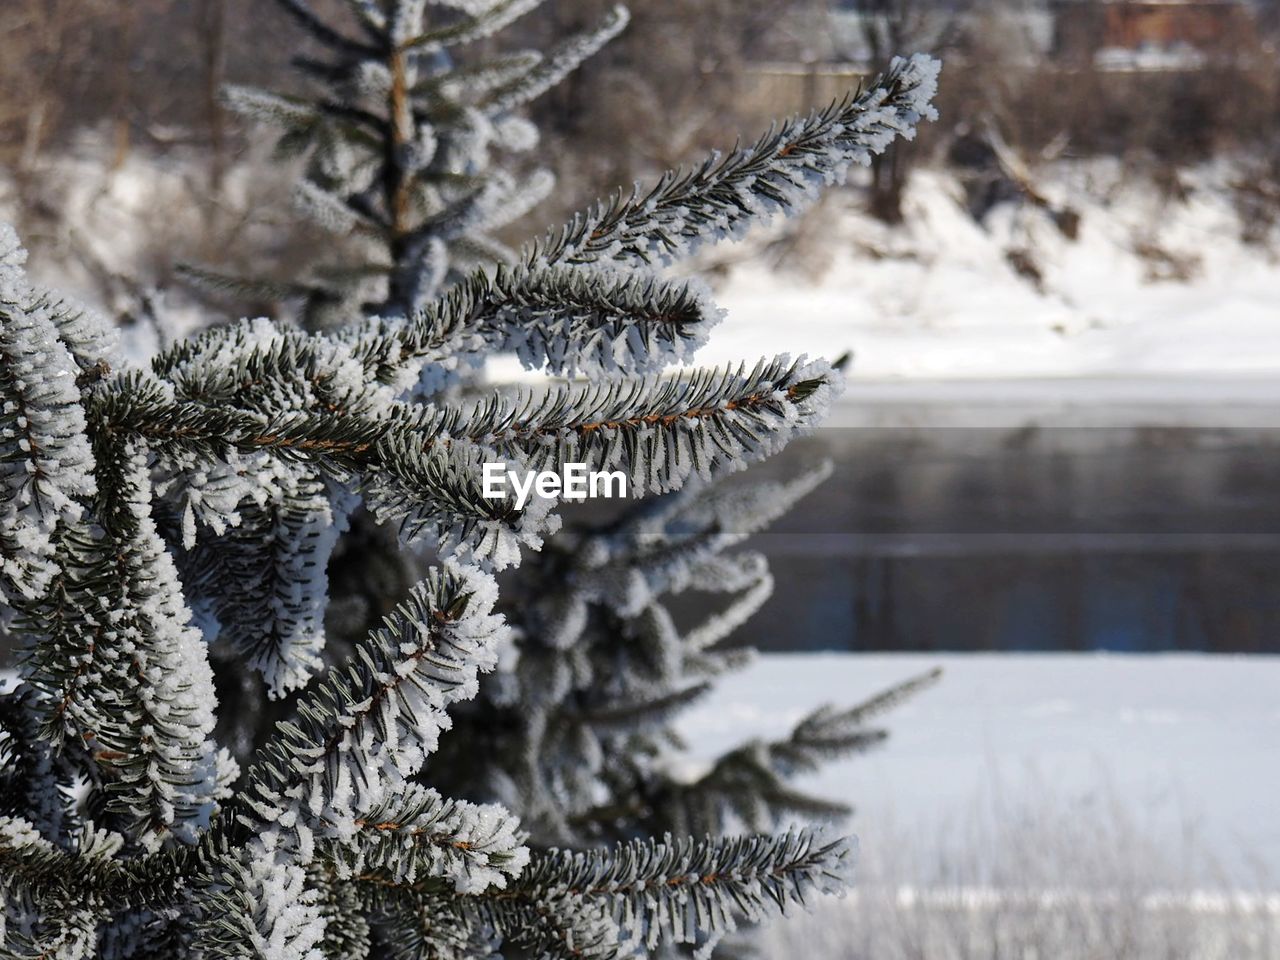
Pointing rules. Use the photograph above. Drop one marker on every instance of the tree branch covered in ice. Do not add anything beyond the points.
(782, 172)
(629, 899)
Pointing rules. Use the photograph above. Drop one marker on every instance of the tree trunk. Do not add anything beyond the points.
(888, 179)
(213, 25)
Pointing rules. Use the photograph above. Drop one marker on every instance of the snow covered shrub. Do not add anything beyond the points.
(150, 515)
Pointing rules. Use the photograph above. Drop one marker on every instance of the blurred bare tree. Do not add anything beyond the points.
(887, 27)
(88, 87)
(144, 67)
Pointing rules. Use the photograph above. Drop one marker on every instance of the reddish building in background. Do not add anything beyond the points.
(1204, 28)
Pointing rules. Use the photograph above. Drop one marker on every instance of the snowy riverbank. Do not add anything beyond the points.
(939, 298)
(1162, 766)
(1064, 806)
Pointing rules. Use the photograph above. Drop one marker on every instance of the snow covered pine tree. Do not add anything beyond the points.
(400, 141)
(124, 830)
(406, 141)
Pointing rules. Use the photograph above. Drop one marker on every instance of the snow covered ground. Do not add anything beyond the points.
(938, 298)
(1054, 792)
(1186, 747)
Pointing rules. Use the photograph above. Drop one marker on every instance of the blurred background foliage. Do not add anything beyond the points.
(1164, 84)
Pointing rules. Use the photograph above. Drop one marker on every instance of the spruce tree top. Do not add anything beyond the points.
(400, 135)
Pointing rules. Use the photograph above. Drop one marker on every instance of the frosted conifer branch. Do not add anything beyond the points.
(372, 723)
(406, 20)
(660, 431)
(428, 487)
(744, 786)
(327, 210)
(266, 578)
(624, 901)
(749, 576)
(471, 252)
(301, 11)
(28, 928)
(891, 697)
(433, 489)
(524, 197)
(472, 8)
(736, 511)
(683, 891)
(640, 715)
(12, 253)
(585, 320)
(514, 132)
(45, 461)
(467, 213)
(751, 782)
(825, 734)
(407, 477)
(243, 287)
(475, 81)
(128, 675)
(253, 907)
(420, 835)
(69, 934)
(346, 927)
(476, 26)
(781, 173)
(567, 58)
(87, 335)
(254, 365)
(370, 14)
(35, 779)
(830, 732)
(267, 107)
(89, 870)
(678, 542)
(420, 925)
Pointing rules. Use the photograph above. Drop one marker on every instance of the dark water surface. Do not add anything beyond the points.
(1030, 537)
